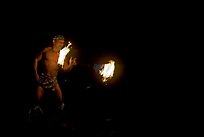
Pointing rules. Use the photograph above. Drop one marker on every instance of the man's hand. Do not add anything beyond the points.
(68, 66)
(72, 61)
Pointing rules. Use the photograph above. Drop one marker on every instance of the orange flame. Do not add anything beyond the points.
(63, 53)
(107, 70)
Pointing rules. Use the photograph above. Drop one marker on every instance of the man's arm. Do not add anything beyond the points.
(37, 59)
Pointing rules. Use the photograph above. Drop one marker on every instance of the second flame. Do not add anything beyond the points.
(107, 70)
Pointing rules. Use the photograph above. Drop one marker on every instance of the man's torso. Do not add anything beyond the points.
(50, 62)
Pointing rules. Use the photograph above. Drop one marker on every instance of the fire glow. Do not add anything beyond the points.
(107, 70)
(63, 53)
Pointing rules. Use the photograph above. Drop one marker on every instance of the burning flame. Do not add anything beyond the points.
(63, 53)
(107, 70)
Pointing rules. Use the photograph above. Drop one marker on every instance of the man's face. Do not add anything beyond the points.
(58, 43)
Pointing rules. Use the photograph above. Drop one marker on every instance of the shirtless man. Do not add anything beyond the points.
(47, 78)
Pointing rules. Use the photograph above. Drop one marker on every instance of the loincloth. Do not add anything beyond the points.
(47, 82)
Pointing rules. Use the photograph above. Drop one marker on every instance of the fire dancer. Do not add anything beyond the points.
(46, 71)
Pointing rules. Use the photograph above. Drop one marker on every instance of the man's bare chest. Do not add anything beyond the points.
(51, 56)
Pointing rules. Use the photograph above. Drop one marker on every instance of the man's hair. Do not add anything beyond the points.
(58, 37)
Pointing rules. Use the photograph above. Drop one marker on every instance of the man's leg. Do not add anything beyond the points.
(58, 92)
(62, 116)
(39, 94)
(36, 110)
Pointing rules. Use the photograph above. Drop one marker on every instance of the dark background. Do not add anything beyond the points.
(136, 99)
(100, 109)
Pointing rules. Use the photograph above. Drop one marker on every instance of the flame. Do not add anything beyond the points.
(107, 70)
(63, 53)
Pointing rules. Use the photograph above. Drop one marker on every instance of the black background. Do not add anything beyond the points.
(141, 41)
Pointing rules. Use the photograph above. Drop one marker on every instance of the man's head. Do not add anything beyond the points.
(58, 41)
